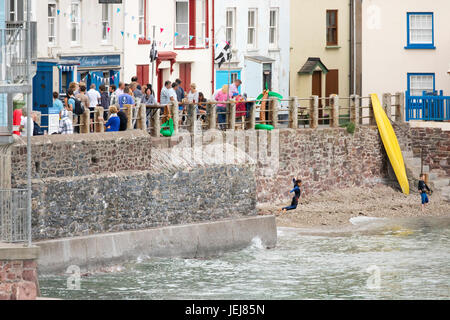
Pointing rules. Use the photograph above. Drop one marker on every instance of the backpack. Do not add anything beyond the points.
(78, 108)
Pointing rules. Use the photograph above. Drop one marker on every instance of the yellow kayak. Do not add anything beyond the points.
(390, 142)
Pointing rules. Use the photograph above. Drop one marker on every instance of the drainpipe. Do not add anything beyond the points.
(213, 44)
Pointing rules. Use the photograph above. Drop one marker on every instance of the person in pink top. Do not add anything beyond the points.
(222, 108)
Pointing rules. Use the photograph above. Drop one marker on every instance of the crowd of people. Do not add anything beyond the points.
(113, 100)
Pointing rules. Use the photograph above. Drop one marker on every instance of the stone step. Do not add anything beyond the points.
(441, 183)
(407, 154)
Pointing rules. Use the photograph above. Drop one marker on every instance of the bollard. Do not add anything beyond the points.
(99, 123)
(155, 123)
(175, 116)
(142, 117)
(387, 104)
(334, 106)
(192, 118)
(293, 113)
(212, 116)
(273, 111)
(231, 115)
(400, 107)
(128, 109)
(85, 119)
(252, 117)
(314, 112)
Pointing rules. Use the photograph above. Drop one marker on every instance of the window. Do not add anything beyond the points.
(230, 25)
(105, 22)
(142, 14)
(200, 27)
(182, 23)
(420, 31)
(273, 28)
(75, 21)
(16, 10)
(251, 36)
(332, 27)
(52, 23)
(420, 82)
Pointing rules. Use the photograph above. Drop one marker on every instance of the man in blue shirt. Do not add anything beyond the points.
(125, 98)
(57, 104)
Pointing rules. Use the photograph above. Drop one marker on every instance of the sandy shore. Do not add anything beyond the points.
(337, 207)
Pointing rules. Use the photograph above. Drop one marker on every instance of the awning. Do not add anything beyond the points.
(260, 59)
(311, 65)
(166, 56)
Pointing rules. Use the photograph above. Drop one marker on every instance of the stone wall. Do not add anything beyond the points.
(18, 279)
(436, 147)
(325, 159)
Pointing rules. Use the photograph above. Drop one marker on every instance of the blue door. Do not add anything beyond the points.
(225, 78)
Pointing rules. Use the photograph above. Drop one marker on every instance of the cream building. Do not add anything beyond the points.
(320, 48)
(405, 46)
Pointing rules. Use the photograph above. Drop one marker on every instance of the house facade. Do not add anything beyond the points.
(258, 32)
(182, 30)
(320, 48)
(405, 46)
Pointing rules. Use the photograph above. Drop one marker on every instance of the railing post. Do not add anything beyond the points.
(314, 112)
(98, 119)
(175, 116)
(231, 115)
(371, 113)
(252, 117)
(192, 117)
(387, 104)
(155, 123)
(400, 107)
(273, 111)
(85, 121)
(353, 110)
(334, 104)
(142, 117)
(212, 116)
(293, 113)
(128, 109)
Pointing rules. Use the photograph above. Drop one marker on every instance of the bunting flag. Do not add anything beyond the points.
(162, 30)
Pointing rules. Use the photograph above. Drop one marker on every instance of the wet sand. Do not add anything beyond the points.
(335, 208)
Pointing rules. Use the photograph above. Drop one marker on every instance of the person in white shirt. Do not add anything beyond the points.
(120, 91)
(94, 97)
(24, 123)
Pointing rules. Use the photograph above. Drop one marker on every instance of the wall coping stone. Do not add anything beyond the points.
(18, 252)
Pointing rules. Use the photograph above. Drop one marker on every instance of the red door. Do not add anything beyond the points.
(185, 76)
(143, 74)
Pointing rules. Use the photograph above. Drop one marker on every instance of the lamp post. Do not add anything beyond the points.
(29, 120)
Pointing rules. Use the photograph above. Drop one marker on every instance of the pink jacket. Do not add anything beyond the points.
(221, 96)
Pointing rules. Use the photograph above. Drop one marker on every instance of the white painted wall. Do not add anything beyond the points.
(280, 72)
(385, 60)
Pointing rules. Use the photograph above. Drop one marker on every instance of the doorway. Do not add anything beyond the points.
(317, 91)
(267, 76)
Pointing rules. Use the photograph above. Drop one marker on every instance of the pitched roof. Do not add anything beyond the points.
(311, 65)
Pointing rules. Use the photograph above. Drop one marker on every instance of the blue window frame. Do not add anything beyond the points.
(419, 82)
(420, 30)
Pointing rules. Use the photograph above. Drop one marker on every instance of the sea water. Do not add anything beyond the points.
(396, 259)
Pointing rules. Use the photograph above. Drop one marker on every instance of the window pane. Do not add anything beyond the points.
(421, 28)
(182, 12)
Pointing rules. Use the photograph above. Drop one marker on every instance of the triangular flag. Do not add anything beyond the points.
(122, 33)
(118, 10)
(134, 36)
(162, 30)
(58, 11)
(191, 37)
(176, 34)
(109, 29)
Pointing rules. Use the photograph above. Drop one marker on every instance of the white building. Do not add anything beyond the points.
(259, 33)
(182, 30)
(405, 46)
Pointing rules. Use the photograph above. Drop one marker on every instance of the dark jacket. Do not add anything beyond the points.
(123, 121)
(37, 131)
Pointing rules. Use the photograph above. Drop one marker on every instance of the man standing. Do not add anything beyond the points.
(94, 97)
(165, 94)
(57, 104)
(113, 95)
(179, 90)
(82, 96)
(120, 91)
(234, 88)
(125, 98)
(136, 92)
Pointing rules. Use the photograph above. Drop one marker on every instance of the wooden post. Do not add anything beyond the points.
(293, 113)
(212, 115)
(371, 114)
(192, 117)
(175, 116)
(85, 119)
(99, 122)
(273, 111)
(231, 115)
(334, 105)
(155, 123)
(252, 117)
(387, 104)
(128, 109)
(314, 112)
(400, 107)
(142, 117)
(358, 111)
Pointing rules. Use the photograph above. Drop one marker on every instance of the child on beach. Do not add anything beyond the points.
(295, 199)
(423, 188)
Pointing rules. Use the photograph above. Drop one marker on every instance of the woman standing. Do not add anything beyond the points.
(222, 96)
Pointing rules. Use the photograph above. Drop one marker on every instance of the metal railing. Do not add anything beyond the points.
(428, 107)
(14, 226)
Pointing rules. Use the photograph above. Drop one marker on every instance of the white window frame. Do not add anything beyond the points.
(230, 30)
(75, 22)
(274, 28)
(200, 23)
(106, 23)
(53, 20)
(252, 28)
(414, 30)
(181, 37)
(12, 13)
(141, 18)
(418, 83)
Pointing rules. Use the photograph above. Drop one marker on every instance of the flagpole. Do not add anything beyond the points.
(153, 61)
